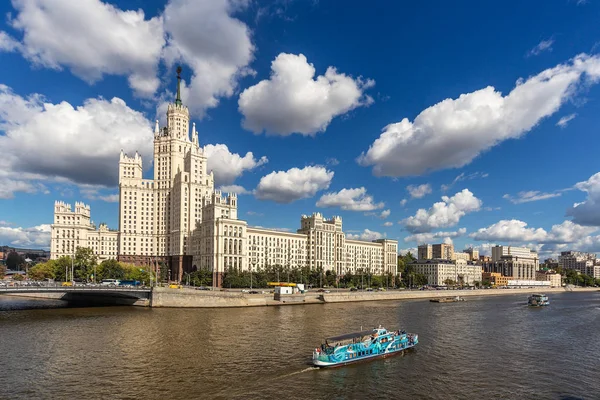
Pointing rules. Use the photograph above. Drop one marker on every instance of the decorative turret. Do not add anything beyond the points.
(156, 129)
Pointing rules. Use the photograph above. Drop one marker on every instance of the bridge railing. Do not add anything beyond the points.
(54, 288)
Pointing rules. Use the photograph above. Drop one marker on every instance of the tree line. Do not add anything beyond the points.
(86, 269)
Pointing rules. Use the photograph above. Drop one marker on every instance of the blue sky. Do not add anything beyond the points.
(406, 97)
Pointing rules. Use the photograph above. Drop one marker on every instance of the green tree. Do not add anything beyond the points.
(17, 277)
(449, 282)
(85, 261)
(203, 277)
(110, 269)
(2, 271)
(142, 274)
(42, 271)
(62, 265)
(14, 261)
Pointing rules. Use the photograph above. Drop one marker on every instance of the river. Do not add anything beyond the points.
(483, 348)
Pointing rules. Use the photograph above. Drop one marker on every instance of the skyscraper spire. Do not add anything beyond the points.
(178, 99)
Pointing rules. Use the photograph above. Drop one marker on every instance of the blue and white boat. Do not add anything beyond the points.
(363, 345)
(538, 300)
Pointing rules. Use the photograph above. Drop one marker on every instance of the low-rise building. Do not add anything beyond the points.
(495, 279)
(439, 271)
(519, 283)
(551, 276)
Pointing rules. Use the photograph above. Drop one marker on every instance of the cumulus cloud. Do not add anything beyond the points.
(516, 231)
(453, 132)
(564, 121)
(443, 214)
(365, 235)
(350, 199)
(293, 184)
(92, 39)
(529, 196)
(420, 191)
(60, 142)
(588, 211)
(544, 45)
(94, 192)
(463, 177)
(292, 100)
(412, 250)
(8, 43)
(403, 202)
(388, 224)
(37, 236)
(233, 189)
(228, 166)
(423, 238)
(218, 48)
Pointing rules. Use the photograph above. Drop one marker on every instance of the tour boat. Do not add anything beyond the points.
(447, 299)
(363, 345)
(538, 300)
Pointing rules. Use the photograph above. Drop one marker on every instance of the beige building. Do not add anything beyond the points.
(554, 278)
(74, 228)
(432, 251)
(518, 262)
(178, 218)
(438, 271)
(473, 254)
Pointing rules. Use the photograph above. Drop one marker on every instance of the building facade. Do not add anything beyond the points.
(438, 271)
(551, 276)
(436, 251)
(517, 262)
(179, 219)
(74, 228)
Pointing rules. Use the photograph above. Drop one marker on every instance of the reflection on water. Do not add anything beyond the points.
(492, 348)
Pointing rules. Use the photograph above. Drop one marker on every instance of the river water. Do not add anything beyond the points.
(484, 348)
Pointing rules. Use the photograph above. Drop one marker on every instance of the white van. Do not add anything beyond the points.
(110, 282)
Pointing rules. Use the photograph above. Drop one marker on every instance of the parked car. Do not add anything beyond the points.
(253, 292)
(353, 289)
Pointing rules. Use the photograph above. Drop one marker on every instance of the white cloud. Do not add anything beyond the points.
(464, 177)
(216, 46)
(8, 43)
(516, 231)
(45, 141)
(388, 224)
(350, 199)
(92, 39)
(529, 196)
(385, 214)
(544, 45)
(588, 211)
(365, 235)
(93, 192)
(403, 202)
(453, 132)
(233, 189)
(564, 121)
(420, 191)
(332, 161)
(443, 214)
(293, 184)
(412, 250)
(424, 238)
(228, 166)
(37, 236)
(293, 101)
(9, 187)
(510, 231)
(255, 213)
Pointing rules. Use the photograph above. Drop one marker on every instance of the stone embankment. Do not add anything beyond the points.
(182, 298)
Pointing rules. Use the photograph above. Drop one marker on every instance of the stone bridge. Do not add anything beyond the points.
(84, 295)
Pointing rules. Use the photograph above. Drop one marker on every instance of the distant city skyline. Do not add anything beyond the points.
(421, 132)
